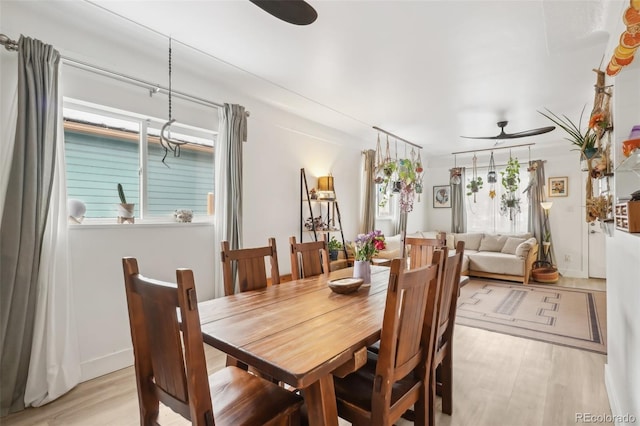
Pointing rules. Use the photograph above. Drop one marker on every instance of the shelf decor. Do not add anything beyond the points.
(594, 144)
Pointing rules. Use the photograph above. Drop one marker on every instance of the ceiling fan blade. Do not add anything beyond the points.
(532, 132)
(503, 135)
(297, 12)
(483, 137)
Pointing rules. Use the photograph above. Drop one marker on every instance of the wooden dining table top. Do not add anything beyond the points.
(300, 331)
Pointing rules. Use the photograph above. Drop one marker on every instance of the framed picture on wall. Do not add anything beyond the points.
(441, 196)
(558, 186)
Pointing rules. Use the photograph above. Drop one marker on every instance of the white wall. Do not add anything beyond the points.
(279, 144)
(622, 371)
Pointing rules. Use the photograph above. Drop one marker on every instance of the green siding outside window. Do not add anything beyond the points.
(96, 164)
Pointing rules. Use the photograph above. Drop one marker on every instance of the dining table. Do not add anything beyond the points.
(300, 332)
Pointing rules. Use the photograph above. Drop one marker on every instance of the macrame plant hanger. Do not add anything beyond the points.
(166, 142)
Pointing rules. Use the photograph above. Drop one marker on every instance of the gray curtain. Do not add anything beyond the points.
(25, 213)
(536, 192)
(368, 209)
(232, 131)
(458, 211)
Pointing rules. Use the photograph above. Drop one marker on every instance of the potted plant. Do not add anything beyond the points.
(334, 247)
(125, 210)
(585, 143)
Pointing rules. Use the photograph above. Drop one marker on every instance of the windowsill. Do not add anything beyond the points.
(148, 223)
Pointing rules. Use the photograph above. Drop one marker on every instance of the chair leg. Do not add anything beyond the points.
(421, 407)
(431, 397)
(447, 384)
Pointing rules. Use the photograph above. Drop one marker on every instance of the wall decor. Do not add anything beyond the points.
(558, 186)
(441, 196)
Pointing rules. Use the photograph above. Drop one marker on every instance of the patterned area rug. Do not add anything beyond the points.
(564, 316)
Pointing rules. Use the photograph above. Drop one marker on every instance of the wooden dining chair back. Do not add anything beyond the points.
(170, 365)
(422, 249)
(309, 259)
(381, 391)
(442, 365)
(250, 267)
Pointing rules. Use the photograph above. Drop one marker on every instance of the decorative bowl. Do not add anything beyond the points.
(345, 285)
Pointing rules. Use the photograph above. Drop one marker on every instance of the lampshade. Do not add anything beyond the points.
(546, 205)
(325, 183)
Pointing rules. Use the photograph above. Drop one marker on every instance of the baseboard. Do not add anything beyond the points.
(613, 398)
(106, 364)
(572, 273)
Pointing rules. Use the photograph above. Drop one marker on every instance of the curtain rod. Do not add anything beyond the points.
(12, 45)
(397, 137)
(493, 149)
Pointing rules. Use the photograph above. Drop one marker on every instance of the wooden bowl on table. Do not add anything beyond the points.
(345, 285)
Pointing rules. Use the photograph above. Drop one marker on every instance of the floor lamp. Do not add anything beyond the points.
(546, 242)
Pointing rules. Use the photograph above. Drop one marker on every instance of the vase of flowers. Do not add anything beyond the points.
(364, 248)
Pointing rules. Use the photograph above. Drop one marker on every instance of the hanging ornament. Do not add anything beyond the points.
(456, 173)
(419, 174)
(492, 176)
(166, 141)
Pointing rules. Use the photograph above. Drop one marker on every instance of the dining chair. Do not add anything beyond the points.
(441, 376)
(422, 249)
(250, 265)
(383, 389)
(309, 259)
(170, 365)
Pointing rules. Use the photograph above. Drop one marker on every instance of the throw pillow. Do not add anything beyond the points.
(492, 242)
(511, 245)
(471, 241)
(523, 249)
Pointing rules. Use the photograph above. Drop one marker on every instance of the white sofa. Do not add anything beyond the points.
(505, 257)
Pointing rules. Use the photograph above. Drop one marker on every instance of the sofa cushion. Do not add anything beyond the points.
(492, 242)
(465, 260)
(523, 248)
(511, 245)
(496, 263)
(471, 240)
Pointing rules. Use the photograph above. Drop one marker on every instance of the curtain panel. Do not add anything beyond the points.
(368, 206)
(228, 184)
(25, 213)
(458, 210)
(537, 194)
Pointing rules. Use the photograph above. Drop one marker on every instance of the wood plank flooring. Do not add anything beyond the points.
(498, 380)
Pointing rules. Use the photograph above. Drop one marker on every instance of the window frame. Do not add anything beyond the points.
(144, 122)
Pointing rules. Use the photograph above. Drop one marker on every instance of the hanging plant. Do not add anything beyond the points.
(476, 182)
(474, 186)
(509, 201)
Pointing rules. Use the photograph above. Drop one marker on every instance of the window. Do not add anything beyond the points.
(104, 148)
(484, 215)
(388, 210)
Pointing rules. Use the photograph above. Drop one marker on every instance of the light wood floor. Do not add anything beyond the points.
(498, 380)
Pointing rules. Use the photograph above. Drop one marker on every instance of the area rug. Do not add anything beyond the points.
(560, 315)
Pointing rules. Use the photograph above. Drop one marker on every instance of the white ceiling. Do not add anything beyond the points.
(427, 71)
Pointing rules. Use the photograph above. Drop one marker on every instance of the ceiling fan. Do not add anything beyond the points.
(504, 135)
(297, 12)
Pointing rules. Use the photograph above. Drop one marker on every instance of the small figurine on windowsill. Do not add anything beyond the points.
(313, 194)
